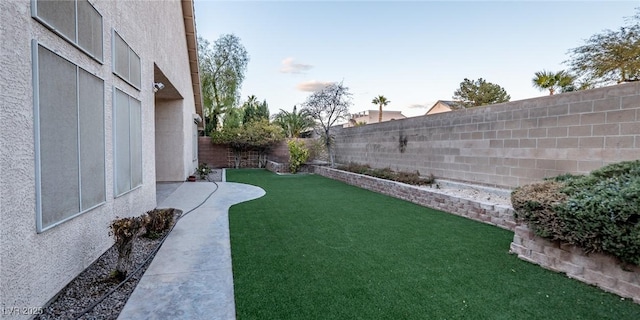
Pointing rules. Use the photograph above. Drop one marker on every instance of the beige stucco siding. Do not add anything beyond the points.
(35, 266)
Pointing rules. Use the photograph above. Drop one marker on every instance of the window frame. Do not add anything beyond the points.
(117, 194)
(125, 78)
(75, 43)
(35, 45)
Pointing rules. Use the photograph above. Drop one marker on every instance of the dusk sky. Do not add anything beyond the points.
(413, 53)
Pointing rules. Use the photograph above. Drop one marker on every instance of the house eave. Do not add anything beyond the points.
(188, 13)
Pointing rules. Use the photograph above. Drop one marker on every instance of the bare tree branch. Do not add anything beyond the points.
(327, 106)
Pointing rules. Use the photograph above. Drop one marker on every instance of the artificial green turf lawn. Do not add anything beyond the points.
(315, 248)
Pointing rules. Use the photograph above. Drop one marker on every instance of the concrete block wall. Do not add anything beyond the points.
(498, 215)
(214, 155)
(596, 269)
(508, 144)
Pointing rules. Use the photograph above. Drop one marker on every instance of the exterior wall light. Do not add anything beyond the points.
(157, 86)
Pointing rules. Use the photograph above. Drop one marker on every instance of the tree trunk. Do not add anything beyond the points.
(236, 159)
(124, 258)
(380, 114)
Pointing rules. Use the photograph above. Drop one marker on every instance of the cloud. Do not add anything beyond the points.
(418, 106)
(289, 66)
(313, 85)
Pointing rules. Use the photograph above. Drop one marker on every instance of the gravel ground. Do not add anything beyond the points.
(474, 194)
(94, 282)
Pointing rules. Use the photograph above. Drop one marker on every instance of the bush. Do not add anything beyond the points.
(298, 154)
(356, 168)
(203, 170)
(157, 221)
(599, 212)
(125, 231)
(413, 178)
(318, 151)
(535, 203)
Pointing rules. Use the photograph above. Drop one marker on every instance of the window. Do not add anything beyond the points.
(126, 63)
(69, 134)
(77, 21)
(127, 142)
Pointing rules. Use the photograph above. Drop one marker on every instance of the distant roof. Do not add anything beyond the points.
(367, 112)
(453, 105)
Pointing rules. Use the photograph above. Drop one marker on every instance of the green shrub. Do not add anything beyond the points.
(298, 154)
(599, 212)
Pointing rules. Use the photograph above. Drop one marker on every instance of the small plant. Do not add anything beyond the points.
(125, 231)
(204, 170)
(298, 154)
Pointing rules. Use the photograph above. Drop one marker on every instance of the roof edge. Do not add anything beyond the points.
(188, 13)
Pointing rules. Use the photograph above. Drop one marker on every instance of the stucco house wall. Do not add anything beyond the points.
(34, 265)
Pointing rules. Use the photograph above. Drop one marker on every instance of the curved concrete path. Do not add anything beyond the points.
(190, 277)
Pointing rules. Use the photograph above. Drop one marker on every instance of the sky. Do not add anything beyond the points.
(414, 53)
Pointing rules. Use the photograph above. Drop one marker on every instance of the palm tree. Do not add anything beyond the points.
(553, 81)
(294, 123)
(380, 101)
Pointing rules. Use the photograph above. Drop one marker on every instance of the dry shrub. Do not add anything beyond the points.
(157, 221)
(125, 231)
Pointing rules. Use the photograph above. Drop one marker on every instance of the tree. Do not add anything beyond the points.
(293, 123)
(554, 81)
(222, 68)
(232, 118)
(610, 56)
(474, 93)
(380, 101)
(327, 106)
(254, 110)
(257, 136)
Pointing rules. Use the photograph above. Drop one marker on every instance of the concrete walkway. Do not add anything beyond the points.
(190, 277)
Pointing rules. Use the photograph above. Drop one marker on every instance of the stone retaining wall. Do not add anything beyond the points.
(498, 215)
(597, 269)
(277, 167)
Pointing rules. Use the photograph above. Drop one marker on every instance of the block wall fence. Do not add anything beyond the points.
(508, 144)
